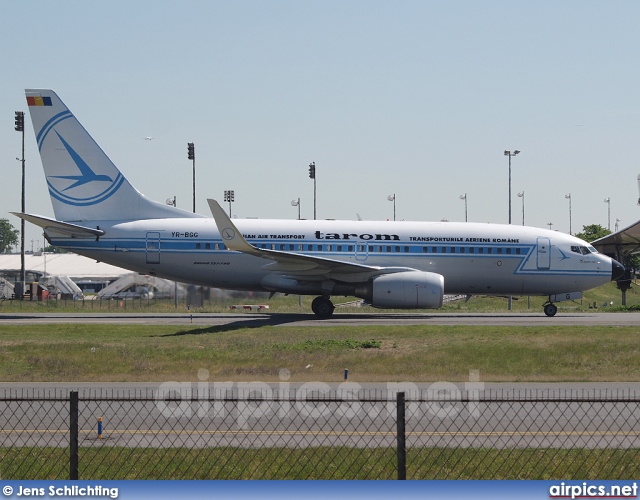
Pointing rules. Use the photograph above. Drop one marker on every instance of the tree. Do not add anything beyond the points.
(8, 236)
(592, 232)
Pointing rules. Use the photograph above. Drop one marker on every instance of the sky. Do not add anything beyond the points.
(414, 98)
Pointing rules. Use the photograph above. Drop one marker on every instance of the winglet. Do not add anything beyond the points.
(231, 236)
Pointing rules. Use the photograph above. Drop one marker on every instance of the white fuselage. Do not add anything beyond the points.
(473, 258)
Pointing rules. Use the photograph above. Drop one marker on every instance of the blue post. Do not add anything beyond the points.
(99, 427)
(346, 373)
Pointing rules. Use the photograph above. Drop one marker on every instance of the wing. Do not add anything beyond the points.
(626, 241)
(293, 264)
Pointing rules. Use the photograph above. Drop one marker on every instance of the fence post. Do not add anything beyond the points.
(401, 437)
(73, 435)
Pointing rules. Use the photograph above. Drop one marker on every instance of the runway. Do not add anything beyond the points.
(260, 319)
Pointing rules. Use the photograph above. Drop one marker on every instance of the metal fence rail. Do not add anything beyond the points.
(269, 434)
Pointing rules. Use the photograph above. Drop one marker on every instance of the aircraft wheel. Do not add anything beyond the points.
(550, 309)
(322, 307)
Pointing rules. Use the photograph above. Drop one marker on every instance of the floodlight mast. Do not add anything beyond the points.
(19, 120)
(510, 154)
(464, 197)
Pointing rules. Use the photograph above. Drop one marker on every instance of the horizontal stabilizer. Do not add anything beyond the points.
(66, 228)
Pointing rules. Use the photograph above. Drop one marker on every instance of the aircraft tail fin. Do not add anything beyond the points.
(83, 182)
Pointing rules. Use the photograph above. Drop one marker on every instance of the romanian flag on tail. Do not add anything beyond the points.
(36, 100)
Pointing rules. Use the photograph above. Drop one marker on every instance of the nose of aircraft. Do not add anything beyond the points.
(617, 270)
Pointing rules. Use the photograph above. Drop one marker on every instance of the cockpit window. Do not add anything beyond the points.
(591, 249)
(582, 250)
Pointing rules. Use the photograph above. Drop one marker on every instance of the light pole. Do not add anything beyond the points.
(568, 197)
(229, 196)
(549, 224)
(312, 175)
(392, 197)
(608, 202)
(20, 128)
(296, 203)
(464, 197)
(617, 223)
(521, 195)
(510, 154)
(191, 154)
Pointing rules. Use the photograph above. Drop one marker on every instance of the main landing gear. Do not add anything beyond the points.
(322, 307)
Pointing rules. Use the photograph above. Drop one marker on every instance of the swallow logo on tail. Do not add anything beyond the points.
(88, 195)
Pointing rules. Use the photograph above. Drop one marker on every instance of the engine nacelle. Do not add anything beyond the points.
(408, 290)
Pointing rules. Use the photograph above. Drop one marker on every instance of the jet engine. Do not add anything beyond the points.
(406, 290)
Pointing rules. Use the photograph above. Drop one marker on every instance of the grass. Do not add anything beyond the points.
(141, 353)
(320, 463)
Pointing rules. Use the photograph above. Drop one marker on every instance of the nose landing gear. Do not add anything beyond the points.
(550, 309)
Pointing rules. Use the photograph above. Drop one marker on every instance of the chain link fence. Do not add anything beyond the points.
(183, 432)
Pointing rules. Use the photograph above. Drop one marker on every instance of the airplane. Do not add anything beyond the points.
(388, 264)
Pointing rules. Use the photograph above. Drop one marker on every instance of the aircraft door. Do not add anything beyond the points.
(153, 247)
(544, 253)
(362, 251)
